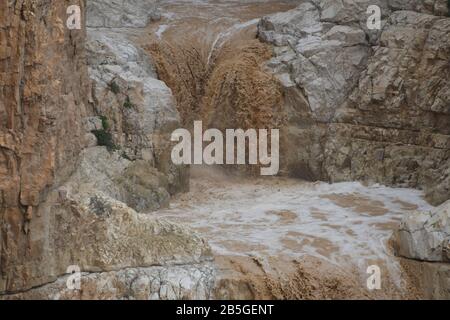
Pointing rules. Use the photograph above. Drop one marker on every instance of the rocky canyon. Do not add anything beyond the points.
(88, 184)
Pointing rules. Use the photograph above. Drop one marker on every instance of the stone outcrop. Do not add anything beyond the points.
(370, 105)
(135, 183)
(425, 236)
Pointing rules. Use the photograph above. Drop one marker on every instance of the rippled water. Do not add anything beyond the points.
(342, 223)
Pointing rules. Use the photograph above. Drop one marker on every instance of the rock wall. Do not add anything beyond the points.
(372, 105)
(369, 105)
(43, 92)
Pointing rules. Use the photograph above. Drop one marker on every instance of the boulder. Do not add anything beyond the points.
(136, 183)
(425, 236)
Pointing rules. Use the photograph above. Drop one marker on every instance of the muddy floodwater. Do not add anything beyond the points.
(346, 226)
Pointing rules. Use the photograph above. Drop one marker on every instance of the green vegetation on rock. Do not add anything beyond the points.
(114, 87)
(128, 104)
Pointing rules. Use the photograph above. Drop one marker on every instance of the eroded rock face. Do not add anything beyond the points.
(425, 236)
(99, 233)
(372, 106)
(42, 102)
(362, 104)
(405, 92)
(324, 59)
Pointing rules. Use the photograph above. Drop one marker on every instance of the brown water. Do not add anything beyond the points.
(267, 227)
(208, 54)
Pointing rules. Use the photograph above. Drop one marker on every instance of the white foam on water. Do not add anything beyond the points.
(251, 215)
(223, 36)
(162, 28)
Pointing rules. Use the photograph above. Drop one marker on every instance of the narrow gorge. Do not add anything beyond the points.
(88, 185)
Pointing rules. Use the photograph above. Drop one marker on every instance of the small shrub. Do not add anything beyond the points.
(114, 87)
(105, 123)
(125, 156)
(128, 104)
(104, 138)
(99, 207)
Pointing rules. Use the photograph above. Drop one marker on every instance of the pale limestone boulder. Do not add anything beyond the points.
(103, 234)
(425, 235)
(136, 183)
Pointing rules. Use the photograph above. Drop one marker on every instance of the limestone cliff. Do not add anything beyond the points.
(369, 105)
(43, 93)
